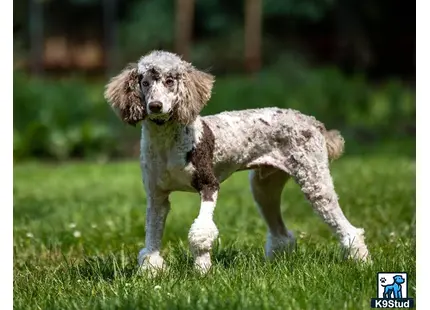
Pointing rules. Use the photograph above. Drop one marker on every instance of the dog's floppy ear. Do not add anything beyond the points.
(198, 89)
(125, 97)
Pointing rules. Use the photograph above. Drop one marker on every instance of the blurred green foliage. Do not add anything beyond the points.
(63, 119)
(149, 25)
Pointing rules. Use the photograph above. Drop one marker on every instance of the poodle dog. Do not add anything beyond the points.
(182, 151)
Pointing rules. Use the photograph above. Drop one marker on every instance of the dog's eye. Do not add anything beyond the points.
(145, 83)
(169, 82)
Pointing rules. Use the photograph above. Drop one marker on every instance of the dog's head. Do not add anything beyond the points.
(398, 279)
(161, 86)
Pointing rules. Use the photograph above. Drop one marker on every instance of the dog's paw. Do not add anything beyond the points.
(356, 248)
(150, 263)
(279, 244)
(203, 263)
(360, 254)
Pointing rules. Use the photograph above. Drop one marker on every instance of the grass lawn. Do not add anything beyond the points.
(78, 228)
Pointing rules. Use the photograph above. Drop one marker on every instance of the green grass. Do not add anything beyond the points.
(78, 228)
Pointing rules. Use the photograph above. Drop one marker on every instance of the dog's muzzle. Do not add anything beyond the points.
(161, 119)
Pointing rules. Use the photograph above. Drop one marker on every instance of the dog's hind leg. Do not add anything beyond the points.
(310, 169)
(267, 184)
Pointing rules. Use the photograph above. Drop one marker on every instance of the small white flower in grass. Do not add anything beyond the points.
(77, 234)
(29, 235)
(157, 287)
(302, 235)
(72, 225)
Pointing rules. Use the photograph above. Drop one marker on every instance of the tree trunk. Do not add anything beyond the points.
(36, 36)
(184, 27)
(253, 18)
(110, 36)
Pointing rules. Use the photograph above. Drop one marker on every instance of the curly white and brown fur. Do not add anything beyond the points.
(182, 151)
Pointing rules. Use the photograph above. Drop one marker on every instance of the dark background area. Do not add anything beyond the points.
(349, 63)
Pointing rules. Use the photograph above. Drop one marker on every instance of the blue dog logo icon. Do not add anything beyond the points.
(394, 290)
(392, 293)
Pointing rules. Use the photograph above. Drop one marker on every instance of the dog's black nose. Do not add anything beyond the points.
(155, 106)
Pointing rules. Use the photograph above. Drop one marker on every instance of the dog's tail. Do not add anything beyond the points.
(334, 141)
(335, 144)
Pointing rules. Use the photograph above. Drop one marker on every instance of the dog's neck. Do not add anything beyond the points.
(165, 136)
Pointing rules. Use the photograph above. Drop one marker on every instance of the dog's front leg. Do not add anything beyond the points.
(158, 207)
(203, 231)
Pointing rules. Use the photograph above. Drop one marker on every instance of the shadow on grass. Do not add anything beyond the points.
(104, 268)
(181, 263)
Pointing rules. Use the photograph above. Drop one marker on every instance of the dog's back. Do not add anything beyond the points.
(252, 137)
